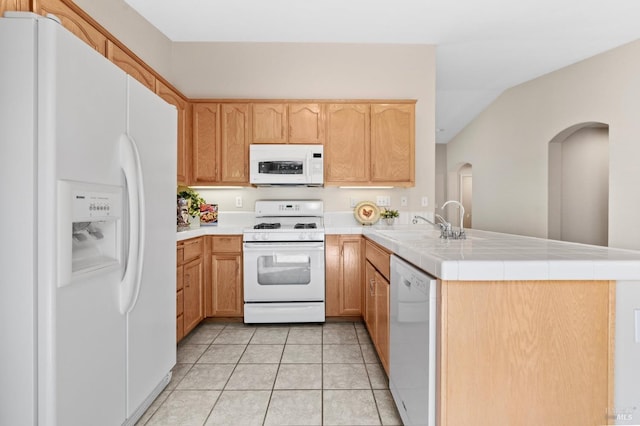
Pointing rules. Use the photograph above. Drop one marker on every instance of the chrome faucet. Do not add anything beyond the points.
(445, 227)
(460, 235)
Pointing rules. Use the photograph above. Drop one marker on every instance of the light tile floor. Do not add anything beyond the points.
(234, 374)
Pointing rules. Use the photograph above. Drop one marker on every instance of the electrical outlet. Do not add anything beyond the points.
(404, 201)
(424, 202)
(238, 201)
(353, 202)
(383, 201)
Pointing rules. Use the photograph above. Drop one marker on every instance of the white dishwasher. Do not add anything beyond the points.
(412, 353)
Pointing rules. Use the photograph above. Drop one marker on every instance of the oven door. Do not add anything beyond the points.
(284, 272)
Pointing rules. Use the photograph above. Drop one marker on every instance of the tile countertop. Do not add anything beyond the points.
(492, 256)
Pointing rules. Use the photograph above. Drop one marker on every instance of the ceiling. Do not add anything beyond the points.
(483, 46)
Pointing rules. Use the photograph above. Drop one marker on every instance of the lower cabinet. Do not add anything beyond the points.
(376, 306)
(343, 277)
(224, 289)
(189, 286)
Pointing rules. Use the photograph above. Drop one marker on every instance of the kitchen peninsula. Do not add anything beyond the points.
(526, 326)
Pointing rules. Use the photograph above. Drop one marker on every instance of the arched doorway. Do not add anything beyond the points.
(465, 179)
(579, 184)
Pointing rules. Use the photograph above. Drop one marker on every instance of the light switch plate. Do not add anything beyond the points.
(404, 201)
(424, 202)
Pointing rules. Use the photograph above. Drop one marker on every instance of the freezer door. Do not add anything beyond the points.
(151, 348)
(81, 332)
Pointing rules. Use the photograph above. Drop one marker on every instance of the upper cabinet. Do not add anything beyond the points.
(370, 144)
(234, 143)
(347, 148)
(14, 5)
(393, 144)
(306, 123)
(184, 129)
(279, 123)
(130, 65)
(220, 144)
(75, 23)
(269, 123)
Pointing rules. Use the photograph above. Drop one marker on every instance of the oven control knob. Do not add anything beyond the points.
(303, 236)
(265, 237)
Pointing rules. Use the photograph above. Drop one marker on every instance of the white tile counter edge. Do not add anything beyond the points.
(504, 257)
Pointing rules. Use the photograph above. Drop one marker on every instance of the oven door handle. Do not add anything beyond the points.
(292, 245)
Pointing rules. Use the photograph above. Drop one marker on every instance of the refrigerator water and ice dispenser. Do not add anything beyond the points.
(90, 232)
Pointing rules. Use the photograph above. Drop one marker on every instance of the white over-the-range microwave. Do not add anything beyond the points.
(280, 164)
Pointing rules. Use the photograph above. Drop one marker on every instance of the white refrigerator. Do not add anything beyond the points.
(87, 265)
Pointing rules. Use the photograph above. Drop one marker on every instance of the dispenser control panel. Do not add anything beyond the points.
(92, 205)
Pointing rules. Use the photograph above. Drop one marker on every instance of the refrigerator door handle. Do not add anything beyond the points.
(132, 168)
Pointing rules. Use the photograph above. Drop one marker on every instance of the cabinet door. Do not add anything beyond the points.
(269, 123)
(382, 320)
(75, 23)
(343, 265)
(392, 143)
(14, 5)
(347, 144)
(227, 285)
(130, 65)
(184, 129)
(193, 311)
(206, 143)
(306, 123)
(370, 300)
(234, 143)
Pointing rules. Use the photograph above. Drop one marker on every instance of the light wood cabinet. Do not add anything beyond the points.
(347, 147)
(184, 129)
(343, 265)
(206, 138)
(220, 143)
(189, 286)
(525, 352)
(234, 144)
(281, 123)
(14, 5)
(75, 23)
(225, 291)
(377, 290)
(306, 123)
(269, 123)
(130, 65)
(393, 144)
(370, 144)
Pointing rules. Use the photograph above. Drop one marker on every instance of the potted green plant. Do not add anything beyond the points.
(389, 215)
(193, 200)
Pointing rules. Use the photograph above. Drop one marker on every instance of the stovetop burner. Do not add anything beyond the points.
(267, 226)
(305, 226)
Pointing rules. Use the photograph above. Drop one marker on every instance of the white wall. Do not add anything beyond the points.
(317, 71)
(508, 144)
(133, 30)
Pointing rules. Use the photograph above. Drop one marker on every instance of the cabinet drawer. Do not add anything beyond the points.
(378, 257)
(179, 303)
(192, 249)
(226, 244)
